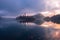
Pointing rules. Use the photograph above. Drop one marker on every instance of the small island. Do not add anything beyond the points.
(25, 19)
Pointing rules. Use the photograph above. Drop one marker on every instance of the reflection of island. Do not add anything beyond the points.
(38, 19)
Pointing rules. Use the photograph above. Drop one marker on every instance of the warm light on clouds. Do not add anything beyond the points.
(50, 13)
(52, 4)
(52, 7)
(47, 13)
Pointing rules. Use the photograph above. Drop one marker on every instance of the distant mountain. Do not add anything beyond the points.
(39, 18)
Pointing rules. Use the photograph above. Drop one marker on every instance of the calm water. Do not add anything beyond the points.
(10, 29)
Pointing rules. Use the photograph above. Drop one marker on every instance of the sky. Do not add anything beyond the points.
(14, 7)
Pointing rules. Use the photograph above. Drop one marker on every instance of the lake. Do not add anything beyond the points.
(11, 29)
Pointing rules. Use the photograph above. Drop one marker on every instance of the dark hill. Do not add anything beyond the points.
(56, 19)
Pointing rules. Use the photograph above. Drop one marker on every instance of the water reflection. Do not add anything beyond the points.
(53, 34)
(50, 25)
(52, 30)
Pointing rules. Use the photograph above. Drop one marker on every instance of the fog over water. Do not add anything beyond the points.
(10, 29)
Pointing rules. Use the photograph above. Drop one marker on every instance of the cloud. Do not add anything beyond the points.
(15, 6)
(37, 5)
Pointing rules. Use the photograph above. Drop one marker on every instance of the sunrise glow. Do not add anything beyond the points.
(52, 7)
(52, 4)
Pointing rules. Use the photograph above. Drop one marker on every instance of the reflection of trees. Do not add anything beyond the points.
(19, 32)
